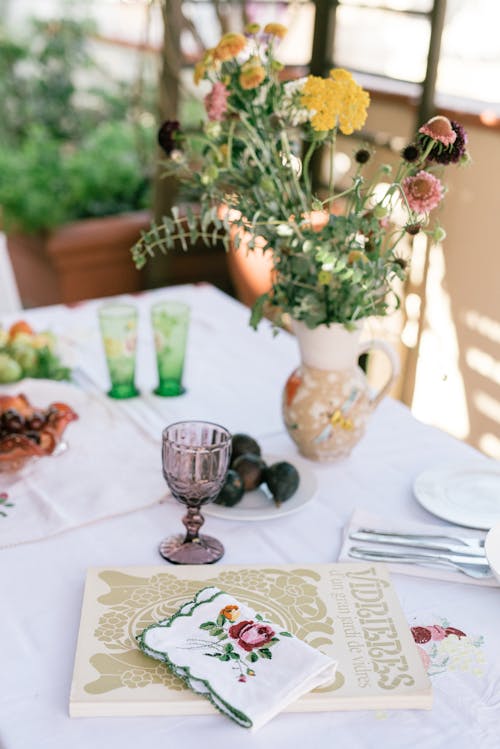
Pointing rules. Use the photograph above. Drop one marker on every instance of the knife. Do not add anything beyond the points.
(420, 541)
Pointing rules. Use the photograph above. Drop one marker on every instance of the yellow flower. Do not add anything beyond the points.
(230, 612)
(276, 29)
(201, 68)
(337, 100)
(251, 77)
(229, 46)
(324, 277)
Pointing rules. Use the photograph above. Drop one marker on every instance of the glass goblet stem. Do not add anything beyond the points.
(193, 520)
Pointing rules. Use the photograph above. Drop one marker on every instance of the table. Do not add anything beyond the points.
(234, 376)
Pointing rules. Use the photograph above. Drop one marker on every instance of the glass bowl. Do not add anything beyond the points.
(28, 433)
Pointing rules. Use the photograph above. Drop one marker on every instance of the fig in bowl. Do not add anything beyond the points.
(28, 432)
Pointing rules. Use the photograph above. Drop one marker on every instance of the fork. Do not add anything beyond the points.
(474, 568)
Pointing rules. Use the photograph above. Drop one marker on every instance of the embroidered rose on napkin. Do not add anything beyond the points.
(252, 635)
(215, 643)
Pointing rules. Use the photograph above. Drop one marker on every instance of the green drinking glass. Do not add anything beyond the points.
(170, 321)
(118, 323)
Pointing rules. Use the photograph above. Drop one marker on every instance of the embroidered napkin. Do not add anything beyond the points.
(248, 667)
(361, 519)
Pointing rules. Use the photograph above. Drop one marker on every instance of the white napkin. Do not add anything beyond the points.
(248, 667)
(362, 519)
(109, 468)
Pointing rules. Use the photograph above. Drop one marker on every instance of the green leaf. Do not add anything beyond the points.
(224, 657)
(234, 656)
(252, 657)
(228, 647)
(259, 617)
(220, 620)
(286, 634)
(207, 625)
(265, 653)
(222, 636)
(216, 631)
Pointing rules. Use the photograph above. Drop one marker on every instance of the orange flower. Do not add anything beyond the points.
(251, 77)
(229, 46)
(230, 612)
(276, 29)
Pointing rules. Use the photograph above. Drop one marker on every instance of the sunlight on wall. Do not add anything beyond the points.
(439, 397)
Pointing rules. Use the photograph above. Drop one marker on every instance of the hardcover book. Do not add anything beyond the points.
(348, 611)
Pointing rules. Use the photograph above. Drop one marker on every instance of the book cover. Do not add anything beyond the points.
(349, 611)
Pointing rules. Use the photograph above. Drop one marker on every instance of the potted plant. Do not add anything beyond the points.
(77, 188)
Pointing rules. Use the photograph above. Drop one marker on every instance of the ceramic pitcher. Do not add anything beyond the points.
(327, 400)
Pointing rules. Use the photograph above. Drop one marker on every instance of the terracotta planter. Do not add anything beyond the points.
(83, 260)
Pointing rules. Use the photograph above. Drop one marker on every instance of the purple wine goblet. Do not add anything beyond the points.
(195, 459)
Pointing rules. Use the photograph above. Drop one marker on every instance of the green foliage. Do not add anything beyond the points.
(67, 151)
(334, 257)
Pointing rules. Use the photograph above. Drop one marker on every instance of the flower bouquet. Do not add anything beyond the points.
(248, 171)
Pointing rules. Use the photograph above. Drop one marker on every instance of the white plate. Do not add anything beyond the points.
(468, 496)
(492, 550)
(258, 505)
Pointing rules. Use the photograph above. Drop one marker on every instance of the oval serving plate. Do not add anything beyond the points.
(259, 505)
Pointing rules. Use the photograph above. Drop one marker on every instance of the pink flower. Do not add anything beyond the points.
(437, 632)
(423, 192)
(439, 128)
(425, 657)
(216, 101)
(251, 634)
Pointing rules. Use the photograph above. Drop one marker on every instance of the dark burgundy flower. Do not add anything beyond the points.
(421, 635)
(410, 153)
(451, 154)
(453, 631)
(362, 155)
(413, 229)
(251, 634)
(168, 136)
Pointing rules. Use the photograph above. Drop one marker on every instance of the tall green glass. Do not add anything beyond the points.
(118, 323)
(170, 321)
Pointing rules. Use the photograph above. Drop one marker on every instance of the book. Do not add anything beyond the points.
(349, 611)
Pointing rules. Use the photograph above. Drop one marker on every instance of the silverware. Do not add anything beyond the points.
(471, 566)
(455, 544)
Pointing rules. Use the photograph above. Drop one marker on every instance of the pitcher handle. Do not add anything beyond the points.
(391, 354)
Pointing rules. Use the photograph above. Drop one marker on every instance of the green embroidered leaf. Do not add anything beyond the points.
(228, 647)
(207, 625)
(259, 617)
(224, 657)
(220, 620)
(286, 634)
(223, 637)
(252, 657)
(234, 656)
(275, 639)
(216, 631)
(265, 653)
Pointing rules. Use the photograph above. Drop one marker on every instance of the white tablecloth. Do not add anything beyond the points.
(234, 376)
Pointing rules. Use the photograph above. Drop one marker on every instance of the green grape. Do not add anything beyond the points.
(10, 370)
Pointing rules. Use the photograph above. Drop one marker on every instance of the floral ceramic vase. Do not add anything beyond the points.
(327, 400)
